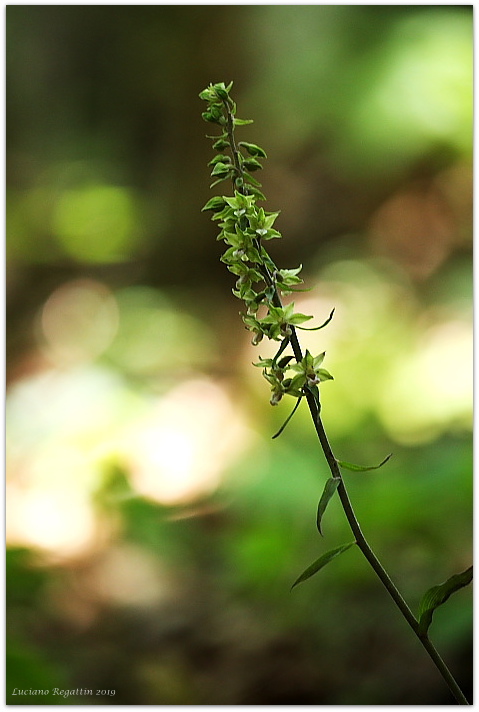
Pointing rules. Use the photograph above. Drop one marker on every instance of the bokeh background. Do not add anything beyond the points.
(153, 527)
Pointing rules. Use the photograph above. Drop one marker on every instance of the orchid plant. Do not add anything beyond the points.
(261, 286)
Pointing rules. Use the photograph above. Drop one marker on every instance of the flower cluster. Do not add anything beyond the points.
(244, 227)
(307, 374)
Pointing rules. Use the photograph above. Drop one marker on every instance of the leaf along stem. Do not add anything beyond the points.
(364, 546)
(314, 408)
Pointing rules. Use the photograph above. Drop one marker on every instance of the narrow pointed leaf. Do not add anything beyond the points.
(284, 344)
(283, 362)
(315, 328)
(321, 563)
(288, 419)
(218, 181)
(249, 178)
(362, 468)
(437, 595)
(329, 489)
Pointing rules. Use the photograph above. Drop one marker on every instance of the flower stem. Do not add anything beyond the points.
(240, 186)
(365, 547)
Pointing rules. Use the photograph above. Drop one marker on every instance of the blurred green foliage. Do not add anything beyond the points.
(154, 529)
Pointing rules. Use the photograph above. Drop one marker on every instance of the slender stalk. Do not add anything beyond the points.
(314, 407)
(365, 547)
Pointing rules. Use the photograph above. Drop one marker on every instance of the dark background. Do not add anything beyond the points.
(153, 527)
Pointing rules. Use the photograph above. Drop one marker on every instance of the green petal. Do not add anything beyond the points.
(298, 319)
(324, 375)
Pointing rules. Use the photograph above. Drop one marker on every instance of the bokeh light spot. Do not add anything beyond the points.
(156, 334)
(182, 447)
(96, 223)
(78, 321)
(430, 390)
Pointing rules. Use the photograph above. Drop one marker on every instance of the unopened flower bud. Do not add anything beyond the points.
(221, 91)
(275, 398)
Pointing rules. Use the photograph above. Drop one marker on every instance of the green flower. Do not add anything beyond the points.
(282, 319)
(309, 369)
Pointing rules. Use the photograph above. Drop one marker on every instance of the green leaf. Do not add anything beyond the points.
(218, 181)
(220, 144)
(288, 418)
(284, 344)
(362, 468)
(252, 189)
(242, 122)
(329, 489)
(252, 164)
(321, 563)
(437, 595)
(213, 118)
(249, 178)
(316, 328)
(216, 203)
(283, 362)
(253, 149)
(221, 169)
(220, 158)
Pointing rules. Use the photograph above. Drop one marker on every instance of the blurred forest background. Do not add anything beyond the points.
(153, 527)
